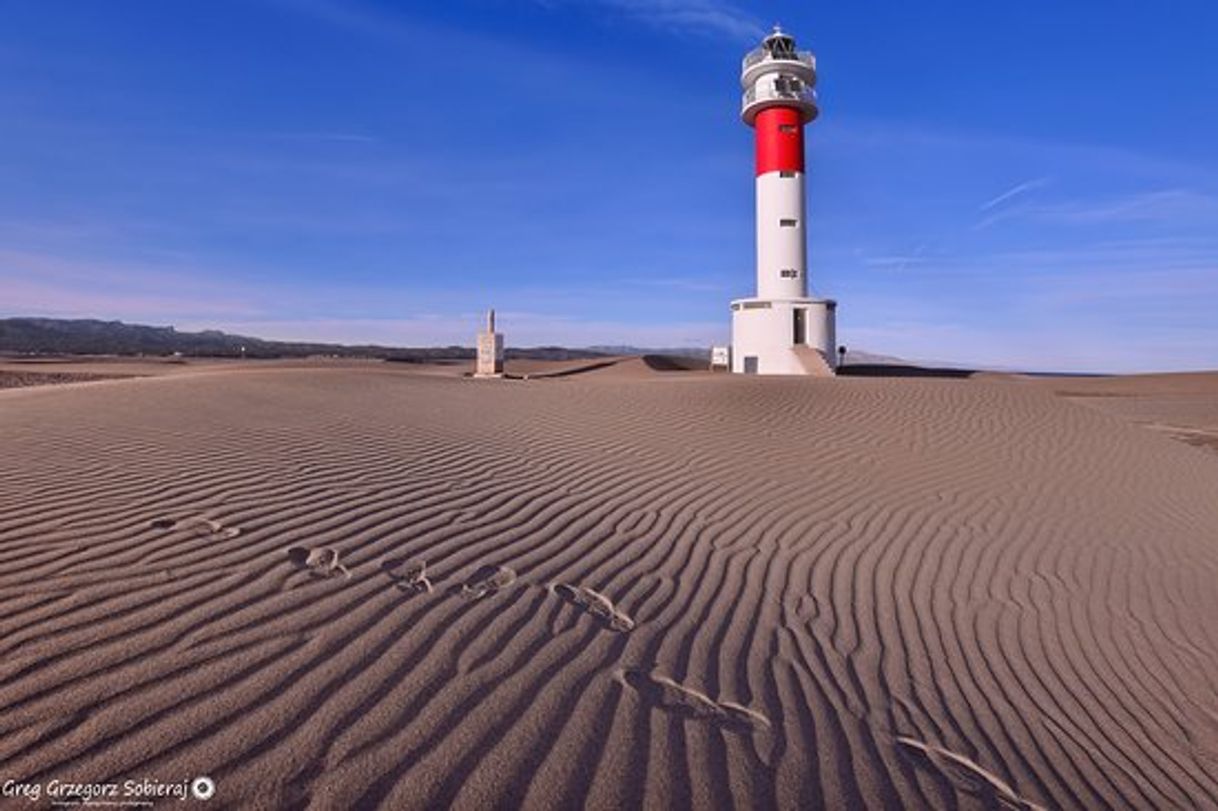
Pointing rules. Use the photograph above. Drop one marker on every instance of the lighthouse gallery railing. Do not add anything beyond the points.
(761, 54)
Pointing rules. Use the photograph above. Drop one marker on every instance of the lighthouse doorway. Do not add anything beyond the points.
(800, 319)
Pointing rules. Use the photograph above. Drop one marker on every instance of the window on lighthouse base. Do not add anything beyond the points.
(789, 273)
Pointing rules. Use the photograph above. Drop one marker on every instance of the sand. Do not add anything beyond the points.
(373, 586)
(1183, 406)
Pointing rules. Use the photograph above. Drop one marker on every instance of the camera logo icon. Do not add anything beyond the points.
(203, 788)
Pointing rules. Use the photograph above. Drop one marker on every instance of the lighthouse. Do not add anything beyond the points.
(782, 330)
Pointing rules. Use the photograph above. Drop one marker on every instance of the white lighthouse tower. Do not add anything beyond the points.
(781, 331)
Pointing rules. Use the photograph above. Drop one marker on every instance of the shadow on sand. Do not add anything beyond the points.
(674, 363)
(900, 370)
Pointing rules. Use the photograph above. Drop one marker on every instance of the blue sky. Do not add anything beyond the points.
(1031, 184)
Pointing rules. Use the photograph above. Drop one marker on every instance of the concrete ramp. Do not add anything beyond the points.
(814, 361)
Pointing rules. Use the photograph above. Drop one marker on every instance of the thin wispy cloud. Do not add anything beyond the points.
(402, 27)
(698, 17)
(353, 16)
(898, 262)
(997, 208)
(1147, 166)
(696, 285)
(1099, 305)
(1116, 261)
(324, 137)
(27, 230)
(1169, 205)
(1015, 191)
(42, 283)
(1150, 252)
(1179, 207)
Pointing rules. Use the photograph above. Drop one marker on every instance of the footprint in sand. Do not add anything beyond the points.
(968, 776)
(488, 580)
(197, 523)
(668, 695)
(408, 575)
(596, 604)
(320, 561)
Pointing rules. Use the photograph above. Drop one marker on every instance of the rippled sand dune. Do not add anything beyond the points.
(365, 586)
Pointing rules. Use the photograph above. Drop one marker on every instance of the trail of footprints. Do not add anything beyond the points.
(666, 694)
(407, 575)
(319, 561)
(411, 577)
(658, 691)
(199, 524)
(596, 604)
(967, 775)
(486, 581)
(654, 689)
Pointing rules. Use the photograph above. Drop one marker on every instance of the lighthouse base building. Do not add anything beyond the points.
(784, 336)
(783, 330)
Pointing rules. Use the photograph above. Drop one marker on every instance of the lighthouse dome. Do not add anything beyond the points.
(779, 45)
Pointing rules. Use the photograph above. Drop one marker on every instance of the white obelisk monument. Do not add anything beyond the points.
(490, 350)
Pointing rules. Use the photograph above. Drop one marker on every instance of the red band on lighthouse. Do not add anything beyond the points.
(780, 140)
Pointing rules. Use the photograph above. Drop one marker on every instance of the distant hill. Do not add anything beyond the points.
(57, 336)
(54, 336)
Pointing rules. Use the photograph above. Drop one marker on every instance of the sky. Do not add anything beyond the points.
(1020, 185)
